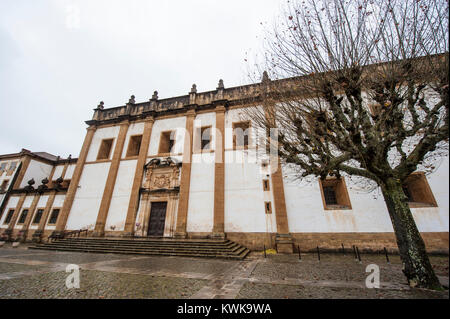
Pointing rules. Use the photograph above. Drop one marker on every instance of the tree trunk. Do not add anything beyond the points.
(416, 265)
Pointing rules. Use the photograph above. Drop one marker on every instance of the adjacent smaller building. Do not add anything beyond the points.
(32, 190)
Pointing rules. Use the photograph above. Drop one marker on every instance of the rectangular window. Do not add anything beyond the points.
(9, 216)
(266, 185)
(202, 139)
(4, 185)
(330, 195)
(334, 194)
(3, 167)
(13, 166)
(1, 214)
(206, 138)
(418, 191)
(23, 216)
(407, 193)
(38, 216)
(54, 216)
(268, 207)
(166, 142)
(105, 149)
(134, 145)
(241, 133)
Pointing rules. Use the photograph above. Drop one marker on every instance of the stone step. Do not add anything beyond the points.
(161, 248)
(147, 243)
(149, 240)
(150, 246)
(244, 252)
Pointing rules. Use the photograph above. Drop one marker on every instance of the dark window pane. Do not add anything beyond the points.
(38, 216)
(9, 216)
(407, 193)
(23, 216)
(330, 195)
(241, 132)
(53, 216)
(206, 137)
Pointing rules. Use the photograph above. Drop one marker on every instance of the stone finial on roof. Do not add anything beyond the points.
(131, 100)
(70, 157)
(155, 95)
(194, 88)
(220, 85)
(101, 105)
(265, 77)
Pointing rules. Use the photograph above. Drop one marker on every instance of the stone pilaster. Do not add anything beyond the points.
(219, 175)
(8, 232)
(50, 177)
(30, 215)
(138, 176)
(111, 181)
(283, 238)
(70, 196)
(37, 235)
(185, 180)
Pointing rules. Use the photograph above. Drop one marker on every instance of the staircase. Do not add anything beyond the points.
(207, 248)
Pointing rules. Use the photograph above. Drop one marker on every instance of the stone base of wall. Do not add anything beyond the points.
(436, 242)
(253, 241)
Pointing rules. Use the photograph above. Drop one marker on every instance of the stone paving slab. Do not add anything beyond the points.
(42, 275)
(277, 291)
(178, 264)
(8, 267)
(71, 258)
(98, 284)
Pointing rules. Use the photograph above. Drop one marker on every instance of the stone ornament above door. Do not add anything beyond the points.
(162, 175)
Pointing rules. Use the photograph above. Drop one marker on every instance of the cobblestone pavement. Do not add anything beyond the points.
(41, 274)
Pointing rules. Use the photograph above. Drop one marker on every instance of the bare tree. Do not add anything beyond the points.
(361, 88)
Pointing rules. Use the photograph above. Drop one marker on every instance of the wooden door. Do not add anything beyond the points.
(157, 219)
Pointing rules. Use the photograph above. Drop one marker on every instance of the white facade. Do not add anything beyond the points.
(245, 199)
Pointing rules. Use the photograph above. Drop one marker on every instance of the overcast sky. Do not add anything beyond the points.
(59, 58)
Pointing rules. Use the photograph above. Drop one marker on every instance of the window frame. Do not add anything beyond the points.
(164, 134)
(424, 188)
(19, 222)
(49, 223)
(248, 129)
(4, 185)
(266, 184)
(2, 170)
(100, 149)
(9, 216)
(33, 221)
(198, 139)
(341, 193)
(268, 207)
(130, 143)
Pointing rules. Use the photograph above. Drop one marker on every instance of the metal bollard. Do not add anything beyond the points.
(359, 256)
(318, 253)
(386, 253)
(299, 255)
(354, 252)
(264, 251)
(343, 249)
